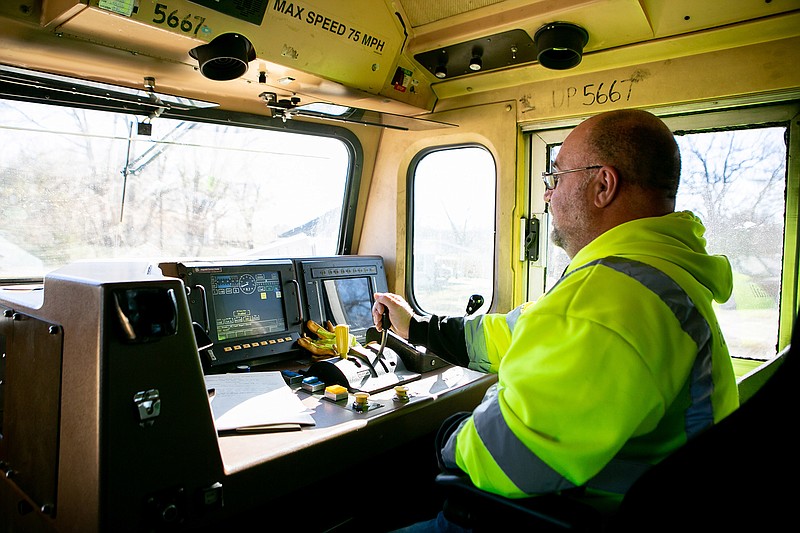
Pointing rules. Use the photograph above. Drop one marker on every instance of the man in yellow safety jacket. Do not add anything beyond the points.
(623, 360)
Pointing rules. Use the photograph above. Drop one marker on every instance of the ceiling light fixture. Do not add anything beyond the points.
(476, 63)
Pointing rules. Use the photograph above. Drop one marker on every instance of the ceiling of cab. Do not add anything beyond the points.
(421, 12)
(368, 54)
(662, 18)
(621, 33)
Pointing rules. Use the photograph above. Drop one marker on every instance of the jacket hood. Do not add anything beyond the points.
(676, 237)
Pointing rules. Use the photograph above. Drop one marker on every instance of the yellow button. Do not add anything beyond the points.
(361, 397)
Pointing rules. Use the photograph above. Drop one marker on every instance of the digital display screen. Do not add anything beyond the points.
(350, 301)
(247, 305)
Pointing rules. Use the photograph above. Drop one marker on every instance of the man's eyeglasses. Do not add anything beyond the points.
(550, 179)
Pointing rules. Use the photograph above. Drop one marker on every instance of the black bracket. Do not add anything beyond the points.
(532, 240)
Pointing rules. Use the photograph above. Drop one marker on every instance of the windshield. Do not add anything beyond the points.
(83, 184)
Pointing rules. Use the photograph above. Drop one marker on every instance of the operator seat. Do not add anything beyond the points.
(736, 474)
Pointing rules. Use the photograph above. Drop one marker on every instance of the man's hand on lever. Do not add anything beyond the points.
(400, 312)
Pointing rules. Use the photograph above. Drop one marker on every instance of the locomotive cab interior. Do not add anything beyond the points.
(190, 188)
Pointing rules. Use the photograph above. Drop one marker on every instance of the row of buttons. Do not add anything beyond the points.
(255, 344)
(343, 271)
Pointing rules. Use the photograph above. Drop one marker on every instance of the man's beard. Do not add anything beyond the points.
(557, 238)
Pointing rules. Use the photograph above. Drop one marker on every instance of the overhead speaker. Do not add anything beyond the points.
(225, 57)
(560, 45)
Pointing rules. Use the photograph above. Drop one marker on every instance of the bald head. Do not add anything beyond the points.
(640, 146)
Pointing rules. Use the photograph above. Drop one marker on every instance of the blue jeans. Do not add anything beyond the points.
(440, 524)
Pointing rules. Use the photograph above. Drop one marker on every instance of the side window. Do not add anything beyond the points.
(451, 229)
(735, 181)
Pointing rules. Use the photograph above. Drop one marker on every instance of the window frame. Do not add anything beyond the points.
(410, 212)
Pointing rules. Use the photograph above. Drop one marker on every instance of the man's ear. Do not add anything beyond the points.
(606, 183)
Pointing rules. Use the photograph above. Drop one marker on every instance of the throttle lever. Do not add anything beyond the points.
(386, 323)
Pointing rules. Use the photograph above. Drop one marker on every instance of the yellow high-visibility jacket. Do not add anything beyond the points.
(617, 365)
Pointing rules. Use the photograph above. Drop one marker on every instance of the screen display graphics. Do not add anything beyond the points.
(350, 301)
(247, 305)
